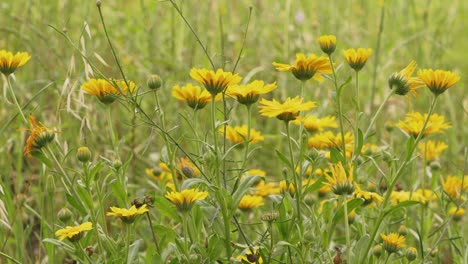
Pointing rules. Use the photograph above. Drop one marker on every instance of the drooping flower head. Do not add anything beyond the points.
(315, 124)
(250, 93)
(106, 91)
(392, 242)
(327, 43)
(414, 121)
(438, 81)
(431, 150)
(195, 97)
(74, 233)
(185, 199)
(402, 82)
(357, 58)
(286, 111)
(238, 134)
(9, 62)
(307, 67)
(128, 216)
(250, 201)
(341, 180)
(215, 82)
(39, 137)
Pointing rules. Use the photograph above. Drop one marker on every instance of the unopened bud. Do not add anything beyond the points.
(83, 154)
(64, 215)
(411, 253)
(154, 82)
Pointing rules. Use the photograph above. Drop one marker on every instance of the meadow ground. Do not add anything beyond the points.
(119, 145)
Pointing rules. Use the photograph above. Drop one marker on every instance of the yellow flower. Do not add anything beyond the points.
(127, 215)
(193, 95)
(454, 186)
(106, 91)
(250, 257)
(314, 124)
(185, 199)
(357, 59)
(264, 189)
(431, 150)
(402, 82)
(287, 188)
(328, 140)
(457, 214)
(74, 233)
(438, 81)
(238, 134)
(402, 196)
(187, 168)
(414, 122)
(39, 137)
(341, 181)
(307, 67)
(368, 197)
(250, 93)
(369, 149)
(429, 195)
(9, 62)
(256, 172)
(286, 111)
(215, 82)
(158, 174)
(250, 201)
(392, 242)
(327, 43)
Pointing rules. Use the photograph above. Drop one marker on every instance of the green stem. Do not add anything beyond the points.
(388, 257)
(155, 240)
(374, 118)
(185, 218)
(358, 104)
(297, 182)
(377, 54)
(67, 185)
(398, 173)
(9, 258)
(111, 131)
(10, 88)
(215, 139)
(227, 231)
(127, 242)
(348, 243)
(246, 152)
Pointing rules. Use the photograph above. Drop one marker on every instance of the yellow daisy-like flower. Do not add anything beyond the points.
(327, 43)
(185, 199)
(341, 181)
(368, 197)
(256, 172)
(106, 91)
(429, 195)
(453, 186)
(250, 201)
(369, 149)
(392, 242)
(457, 214)
(357, 58)
(438, 81)
(287, 111)
(402, 196)
(328, 140)
(128, 216)
(187, 168)
(307, 67)
(284, 187)
(402, 82)
(195, 97)
(250, 93)
(215, 82)
(314, 124)
(74, 233)
(9, 62)
(250, 257)
(431, 150)
(238, 134)
(39, 137)
(414, 122)
(264, 189)
(158, 174)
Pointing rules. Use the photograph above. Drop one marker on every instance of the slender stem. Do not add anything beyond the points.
(340, 111)
(185, 218)
(215, 139)
(83, 252)
(297, 182)
(374, 118)
(388, 257)
(155, 240)
(227, 231)
(377, 54)
(65, 175)
(348, 243)
(358, 102)
(111, 130)
(9, 258)
(127, 243)
(10, 88)
(270, 251)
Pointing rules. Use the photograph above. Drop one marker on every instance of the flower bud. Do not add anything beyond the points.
(65, 215)
(403, 230)
(377, 251)
(83, 154)
(435, 166)
(327, 43)
(50, 184)
(154, 82)
(117, 164)
(43, 139)
(411, 253)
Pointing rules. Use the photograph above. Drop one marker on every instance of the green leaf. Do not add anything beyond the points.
(314, 187)
(244, 186)
(85, 197)
(58, 243)
(360, 142)
(133, 251)
(78, 206)
(409, 147)
(215, 246)
(42, 158)
(188, 183)
(165, 235)
(401, 205)
(335, 156)
(284, 159)
(166, 208)
(353, 204)
(118, 191)
(360, 246)
(344, 85)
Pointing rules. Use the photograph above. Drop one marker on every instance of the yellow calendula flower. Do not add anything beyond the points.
(287, 111)
(402, 196)
(315, 124)
(438, 81)
(453, 186)
(414, 122)
(250, 257)
(158, 174)
(340, 180)
(9, 62)
(185, 199)
(39, 137)
(128, 216)
(431, 150)
(250, 201)
(429, 195)
(402, 82)
(307, 67)
(215, 82)
(456, 213)
(74, 233)
(327, 43)
(328, 140)
(256, 172)
(284, 187)
(357, 58)
(106, 91)
(368, 197)
(250, 93)
(393, 242)
(238, 134)
(195, 97)
(264, 189)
